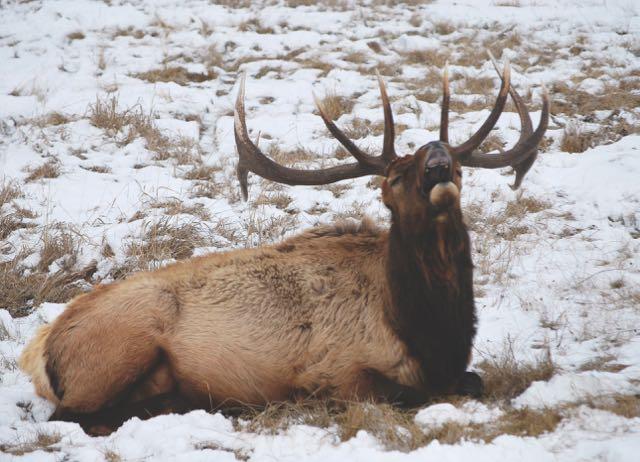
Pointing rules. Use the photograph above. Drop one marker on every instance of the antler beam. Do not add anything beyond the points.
(523, 154)
(252, 159)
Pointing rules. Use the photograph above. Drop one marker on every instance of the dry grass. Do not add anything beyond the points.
(603, 364)
(125, 125)
(267, 230)
(162, 240)
(233, 3)
(444, 27)
(77, 35)
(428, 57)
(493, 142)
(50, 169)
(359, 128)
(255, 25)
(476, 86)
(177, 207)
(52, 119)
(496, 244)
(507, 40)
(132, 32)
(27, 285)
(375, 46)
(176, 74)
(24, 287)
(263, 71)
(279, 200)
(41, 441)
(289, 158)
(570, 101)
(183, 150)
(395, 428)
(477, 104)
(523, 205)
(12, 216)
(202, 172)
(337, 189)
(167, 239)
(8, 192)
(223, 186)
(97, 168)
(356, 57)
(58, 244)
(335, 105)
(316, 63)
(575, 139)
(110, 455)
(107, 115)
(627, 406)
(505, 377)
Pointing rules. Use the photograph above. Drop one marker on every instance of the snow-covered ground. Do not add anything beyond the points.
(558, 262)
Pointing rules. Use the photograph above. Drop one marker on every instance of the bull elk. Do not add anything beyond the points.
(343, 311)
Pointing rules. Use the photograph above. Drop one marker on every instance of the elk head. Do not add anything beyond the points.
(420, 187)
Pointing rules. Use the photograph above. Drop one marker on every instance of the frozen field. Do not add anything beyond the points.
(117, 154)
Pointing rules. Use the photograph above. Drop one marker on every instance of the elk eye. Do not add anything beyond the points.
(396, 180)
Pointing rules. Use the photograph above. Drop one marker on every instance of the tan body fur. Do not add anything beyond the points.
(305, 316)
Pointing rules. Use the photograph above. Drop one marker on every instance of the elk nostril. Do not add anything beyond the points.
(438, 173)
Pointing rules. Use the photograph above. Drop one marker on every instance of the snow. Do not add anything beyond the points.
(568, 283)
(437, 415)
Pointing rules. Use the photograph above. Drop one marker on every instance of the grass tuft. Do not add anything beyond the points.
(50, 169)
(41, 441)
(176, 74)
(506, 378)
(335, 105)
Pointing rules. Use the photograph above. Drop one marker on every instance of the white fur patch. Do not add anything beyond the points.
(444, 194)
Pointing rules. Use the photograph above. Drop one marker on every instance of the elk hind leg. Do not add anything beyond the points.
(153, 395)
(105, 345)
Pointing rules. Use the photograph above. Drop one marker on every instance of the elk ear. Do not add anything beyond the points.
(386, 194)
(457, 175)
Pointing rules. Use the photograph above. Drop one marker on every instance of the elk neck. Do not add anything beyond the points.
(431, 307)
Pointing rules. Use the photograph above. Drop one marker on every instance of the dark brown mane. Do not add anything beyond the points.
(432, 299)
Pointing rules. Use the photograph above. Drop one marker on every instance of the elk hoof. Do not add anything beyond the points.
(470, 384)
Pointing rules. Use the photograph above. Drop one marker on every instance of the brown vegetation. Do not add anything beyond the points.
(176, 74)
(336, 105)
(41, 441)
(505, 377)
(50, 169)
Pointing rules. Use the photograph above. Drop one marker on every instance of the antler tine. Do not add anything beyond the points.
(522, 156)
(466, 148)
(526, 130)
(388, 143)
(519, 153)
(354, 150)
(252, 159)
(242, 139)
(444, 110)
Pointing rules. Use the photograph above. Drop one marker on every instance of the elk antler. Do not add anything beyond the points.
(522, 156)
(466, 148)
(252, 159)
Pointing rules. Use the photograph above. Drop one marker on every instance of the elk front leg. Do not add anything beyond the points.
(393, 392)
(470, 384)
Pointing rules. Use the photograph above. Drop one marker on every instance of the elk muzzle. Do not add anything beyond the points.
(437, 176)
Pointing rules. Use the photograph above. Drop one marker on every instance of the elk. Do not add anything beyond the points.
(343, 311)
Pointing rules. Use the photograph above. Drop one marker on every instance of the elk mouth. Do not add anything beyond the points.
(436, 178)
